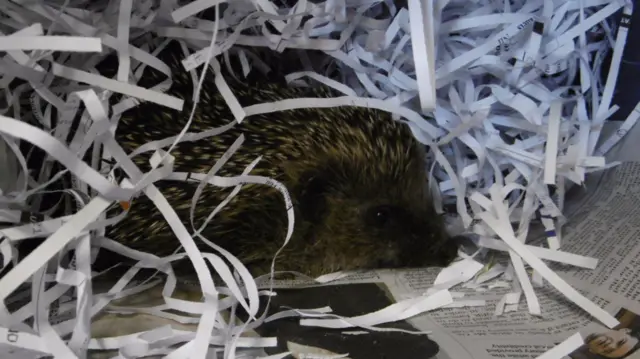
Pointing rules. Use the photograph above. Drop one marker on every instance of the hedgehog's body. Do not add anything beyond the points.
(356, 177)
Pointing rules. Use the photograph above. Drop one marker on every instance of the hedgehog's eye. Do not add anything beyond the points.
(380, 215)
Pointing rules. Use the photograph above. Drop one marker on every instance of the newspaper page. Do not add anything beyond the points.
(605, 224)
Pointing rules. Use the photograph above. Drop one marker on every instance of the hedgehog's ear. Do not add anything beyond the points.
(312, 191)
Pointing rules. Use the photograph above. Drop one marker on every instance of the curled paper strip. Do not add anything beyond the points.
(399, 311)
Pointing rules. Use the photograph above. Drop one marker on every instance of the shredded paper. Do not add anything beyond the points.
(509, 96)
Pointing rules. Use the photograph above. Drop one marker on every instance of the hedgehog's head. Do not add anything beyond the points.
(369, 207)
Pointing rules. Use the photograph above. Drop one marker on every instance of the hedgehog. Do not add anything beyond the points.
(356, 177)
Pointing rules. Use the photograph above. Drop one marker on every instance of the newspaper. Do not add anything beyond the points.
(604, 222)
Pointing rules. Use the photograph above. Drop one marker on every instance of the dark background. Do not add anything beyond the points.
(627, 92)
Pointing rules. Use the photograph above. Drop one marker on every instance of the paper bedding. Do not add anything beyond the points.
(511, 97)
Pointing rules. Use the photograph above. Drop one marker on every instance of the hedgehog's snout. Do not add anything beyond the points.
(464, 244)
(449, 251)
(427, 247)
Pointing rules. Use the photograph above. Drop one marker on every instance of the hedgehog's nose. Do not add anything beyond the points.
(465, 244)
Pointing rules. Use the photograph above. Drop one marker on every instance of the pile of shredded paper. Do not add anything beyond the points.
(510, 96)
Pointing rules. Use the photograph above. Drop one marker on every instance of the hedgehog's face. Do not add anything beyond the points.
(406, 237)
(352, 229)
